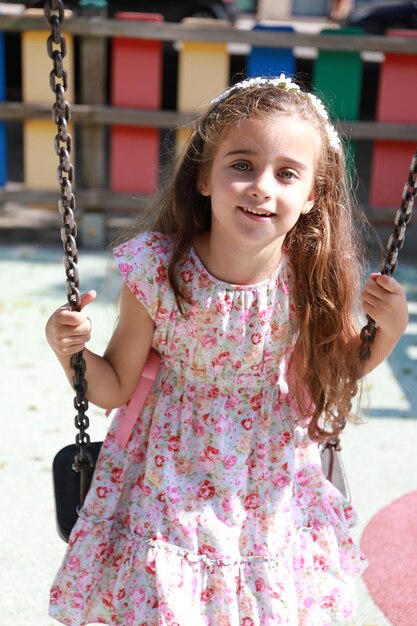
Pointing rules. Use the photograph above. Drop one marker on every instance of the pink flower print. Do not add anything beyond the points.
(204, 281)
(228, 505)
(349, 512)
(55, 595)
(260, 584)
(213, 392)
(303, 478)
(221, 424)
(174, 495)
(102, 492)
(258, 470)
(327, 602)
(232, 401)
(186, 276)
(174, 443)
(221, 359)
(159, 460)
(246, 621)
(280, 480)
(139, 596)
(156, 432)
(198, 428)
(225, 306)
(163, 313)
(121, 594)
(207, 550)
(77, 601)
(120, 251)
(284, 439)
(117, 475)
(171, 411)
(252, 502)
(206, 490)
(265, 316)
(284, 287)
(74, 563)
(151, 567)
(140, 482)
(247, 423)
(256, 338)
(167, 389)
(208, 341)
(125, 268)
(161, 273)
(183, 465)
(100, 550)
(320, 563)
(256, 401)
(107, 599)
(210, 454)
(229, 461)
(245, 315)
(129, 618)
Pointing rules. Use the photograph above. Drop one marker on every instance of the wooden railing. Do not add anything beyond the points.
(100, 115)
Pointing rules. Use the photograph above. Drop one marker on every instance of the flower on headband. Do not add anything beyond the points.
(285, 83)
(333, 137)
(332, 134)
(318, 105)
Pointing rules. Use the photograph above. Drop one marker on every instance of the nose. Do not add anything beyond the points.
(262, 185)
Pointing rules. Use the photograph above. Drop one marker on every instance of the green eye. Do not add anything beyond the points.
(287, 174)
(241, 166)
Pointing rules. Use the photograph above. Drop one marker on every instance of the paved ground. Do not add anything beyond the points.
(37, 418)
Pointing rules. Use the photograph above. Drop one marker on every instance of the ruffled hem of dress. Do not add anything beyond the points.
(113, 576)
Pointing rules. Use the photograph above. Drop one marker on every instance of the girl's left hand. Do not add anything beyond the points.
(385, 301)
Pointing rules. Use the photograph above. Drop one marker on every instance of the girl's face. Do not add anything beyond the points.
(261, 180)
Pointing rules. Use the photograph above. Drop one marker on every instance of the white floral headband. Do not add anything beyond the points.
(283, 82)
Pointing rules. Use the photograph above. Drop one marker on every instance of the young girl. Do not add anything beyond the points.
(215, 511)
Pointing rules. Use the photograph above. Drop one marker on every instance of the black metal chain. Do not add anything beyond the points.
(61, 115)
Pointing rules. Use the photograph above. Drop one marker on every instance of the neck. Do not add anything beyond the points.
(238, 265)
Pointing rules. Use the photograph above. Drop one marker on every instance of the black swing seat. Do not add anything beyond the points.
(67, 485)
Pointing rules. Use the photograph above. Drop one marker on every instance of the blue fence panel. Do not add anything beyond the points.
(263, 61)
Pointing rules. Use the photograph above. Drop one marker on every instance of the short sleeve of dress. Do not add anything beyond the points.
(143, 263)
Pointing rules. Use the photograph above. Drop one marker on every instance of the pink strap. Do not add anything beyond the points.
(138, 399)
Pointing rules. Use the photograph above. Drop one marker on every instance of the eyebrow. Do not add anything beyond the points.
(287, 160)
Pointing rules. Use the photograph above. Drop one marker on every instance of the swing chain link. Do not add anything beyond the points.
(394, 244)
(61, 115)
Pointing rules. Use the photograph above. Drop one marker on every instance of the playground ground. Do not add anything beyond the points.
(37, 420)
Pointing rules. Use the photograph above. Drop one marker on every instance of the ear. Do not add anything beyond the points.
(204, 189)
(308, 205)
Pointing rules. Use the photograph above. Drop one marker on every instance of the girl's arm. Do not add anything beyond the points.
(111, 378)
(385, 301)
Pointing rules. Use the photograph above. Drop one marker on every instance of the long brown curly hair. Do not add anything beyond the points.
(322, 248)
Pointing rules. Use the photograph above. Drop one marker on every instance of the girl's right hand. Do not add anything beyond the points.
(68, 331)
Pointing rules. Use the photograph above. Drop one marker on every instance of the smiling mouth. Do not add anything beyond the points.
(258, 212)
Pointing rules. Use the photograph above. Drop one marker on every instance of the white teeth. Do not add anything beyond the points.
(261, 213)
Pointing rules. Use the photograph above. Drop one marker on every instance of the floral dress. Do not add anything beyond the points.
(216, 513)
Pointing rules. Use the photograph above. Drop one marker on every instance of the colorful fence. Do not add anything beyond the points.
(136, 80)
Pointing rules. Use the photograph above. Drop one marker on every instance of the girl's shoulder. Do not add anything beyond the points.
(148, 247)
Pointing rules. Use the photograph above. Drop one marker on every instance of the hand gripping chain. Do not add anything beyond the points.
(394, 245)
(61, 115)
